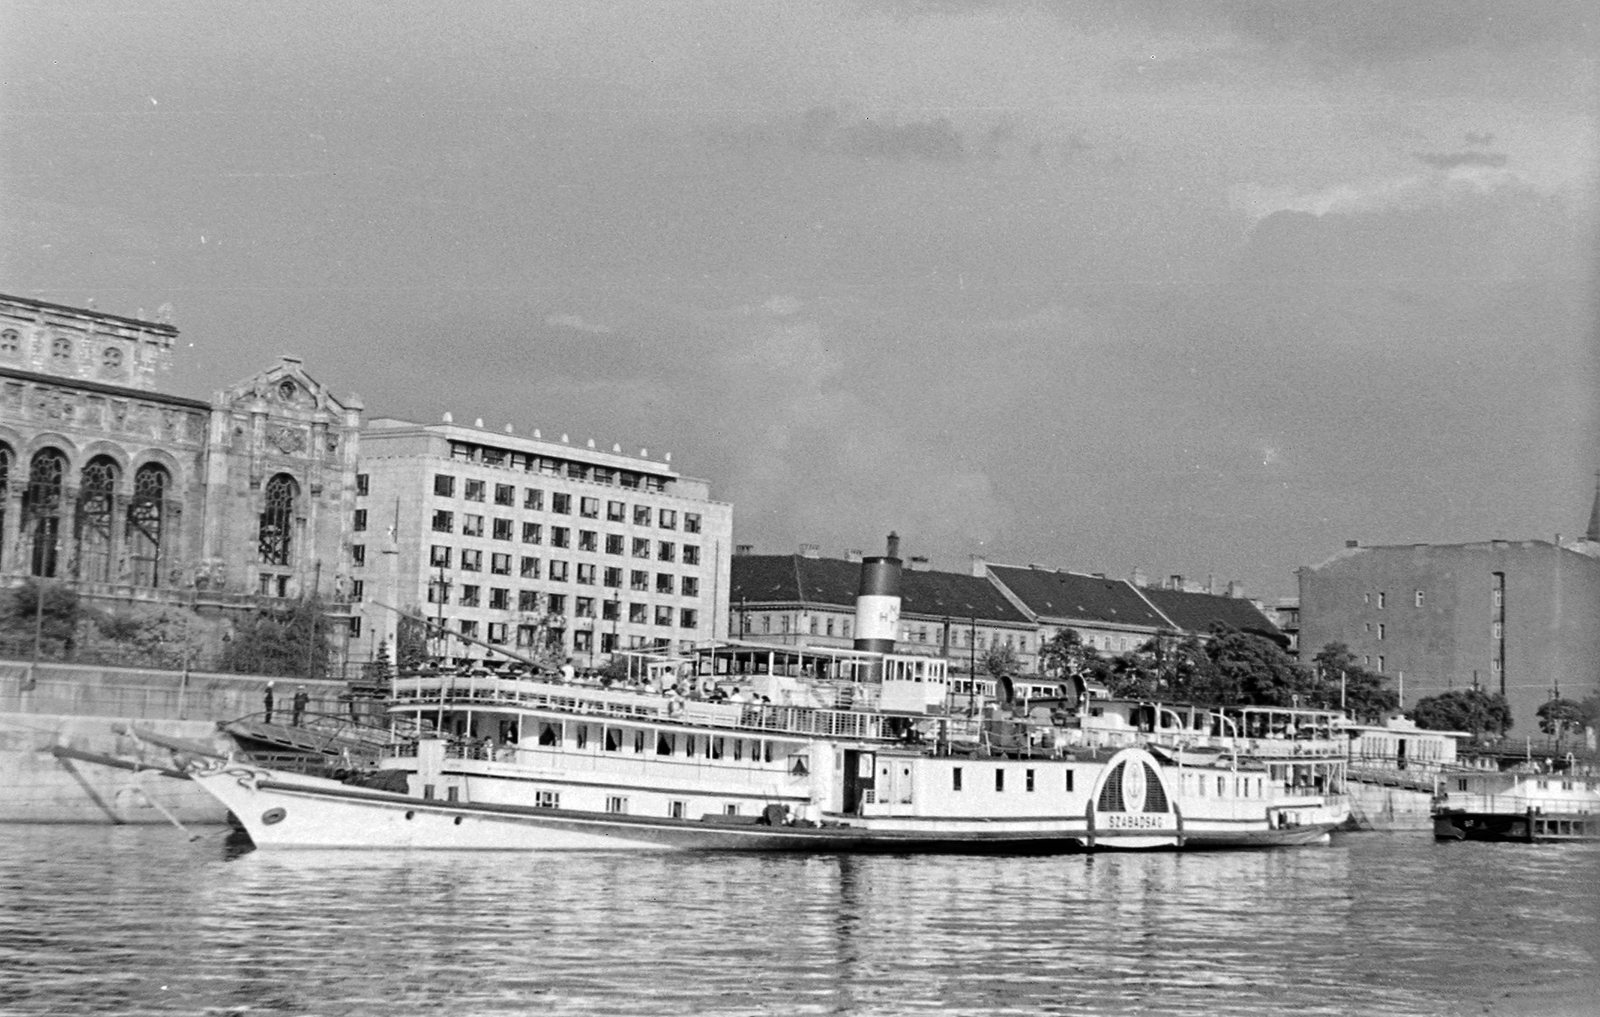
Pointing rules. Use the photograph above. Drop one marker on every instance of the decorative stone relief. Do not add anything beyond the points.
(288, 440)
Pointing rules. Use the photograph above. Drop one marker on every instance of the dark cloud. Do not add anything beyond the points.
(1450, 160)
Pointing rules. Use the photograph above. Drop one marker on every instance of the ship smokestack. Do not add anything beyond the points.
(878, 601)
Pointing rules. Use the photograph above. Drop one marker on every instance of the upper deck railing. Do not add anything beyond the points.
(588, 701)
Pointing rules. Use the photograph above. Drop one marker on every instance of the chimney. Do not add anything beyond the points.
(878, 601)
(1235, 589)
(980, 566)
(853, 554)
(1211, 583)
(1352, 543)
(810, 551)
(1177, 582)
(743, 550)
(1138, 578)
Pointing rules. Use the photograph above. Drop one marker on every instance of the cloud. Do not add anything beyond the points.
(574, 321)
(1450, 160)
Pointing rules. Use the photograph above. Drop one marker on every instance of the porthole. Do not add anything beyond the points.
(458, 820)
(271, 816)
(410, 814)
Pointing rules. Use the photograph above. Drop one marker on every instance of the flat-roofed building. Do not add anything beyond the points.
(526, 543)
(1517, 617)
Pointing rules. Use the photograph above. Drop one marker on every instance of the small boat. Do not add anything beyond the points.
(1518, 806)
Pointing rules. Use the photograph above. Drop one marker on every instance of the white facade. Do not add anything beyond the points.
(526, 542)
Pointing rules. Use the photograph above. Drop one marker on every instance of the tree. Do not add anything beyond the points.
(1463, 710)
(1248, 669)
(1000, 661)
(1558, 716)
(56, 615)
(290, 640)
(1365, 696)
(410, 643)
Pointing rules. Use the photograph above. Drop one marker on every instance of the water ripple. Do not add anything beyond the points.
(136, 921)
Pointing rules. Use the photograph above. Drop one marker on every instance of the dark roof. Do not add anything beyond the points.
(1197, 612)
(794, 578)
(1062, 597)
(955, 595)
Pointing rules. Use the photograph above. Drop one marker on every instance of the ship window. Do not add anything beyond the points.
(955, 778)
(664, 745)
(452, 794)
(617, 805)
(675, 810)
(547, 799)
(999, 779)
(638, 741)
(738, 749)
(583, 736)
(427, 790)
(766, 753)
(730, 810)
(1069, 782)
(1221, 787)
(549, 734)
(613, 741)
(716, 748)
(1027, 784)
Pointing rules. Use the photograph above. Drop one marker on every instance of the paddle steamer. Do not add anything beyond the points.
(746, 746)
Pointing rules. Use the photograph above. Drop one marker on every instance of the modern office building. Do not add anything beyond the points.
(530, 543)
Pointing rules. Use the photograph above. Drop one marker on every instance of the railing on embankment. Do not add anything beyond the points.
(92, 690)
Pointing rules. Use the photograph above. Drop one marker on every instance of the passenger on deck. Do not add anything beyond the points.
(568, 673)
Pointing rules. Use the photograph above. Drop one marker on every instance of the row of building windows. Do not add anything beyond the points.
(959, 635)
(1418, 597)
(61, 351)
(444, 521)
(560, 502)
(553, 466)
(441, 556)
(105, 520)
(555, 605)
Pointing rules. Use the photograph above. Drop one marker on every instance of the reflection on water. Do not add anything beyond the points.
(135, 920)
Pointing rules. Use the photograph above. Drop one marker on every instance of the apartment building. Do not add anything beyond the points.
(532, 543)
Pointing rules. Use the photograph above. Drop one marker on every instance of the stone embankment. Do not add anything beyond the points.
(93, 709)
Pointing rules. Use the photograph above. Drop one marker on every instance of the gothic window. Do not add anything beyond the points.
(5, 489)
(60, 351)
(97, 488)
(41, 510)
(10, 342)
(277, 519)
(111, 360)
(146, 519)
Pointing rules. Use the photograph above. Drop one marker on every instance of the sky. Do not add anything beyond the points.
(1204, 289)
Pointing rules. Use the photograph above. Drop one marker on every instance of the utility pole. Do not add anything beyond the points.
(972, 668)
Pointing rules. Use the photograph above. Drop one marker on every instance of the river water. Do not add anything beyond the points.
(138, 920)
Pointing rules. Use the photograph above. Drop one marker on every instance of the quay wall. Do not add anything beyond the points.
(82, 706)
(1377, 807)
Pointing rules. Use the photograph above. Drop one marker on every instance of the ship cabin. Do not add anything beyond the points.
(1519, 806)
(1400, 745)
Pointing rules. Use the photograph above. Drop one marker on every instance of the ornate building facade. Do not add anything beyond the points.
(130, 493)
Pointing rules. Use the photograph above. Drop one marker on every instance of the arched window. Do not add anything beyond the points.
(60, 350)
(5, 493)
(277, 520)
(41, 510)
(10, 342)
(147, 513)
(97, 489)
(111, 359)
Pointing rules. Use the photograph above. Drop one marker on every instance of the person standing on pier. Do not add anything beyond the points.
(299, 703)
(266, 704)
